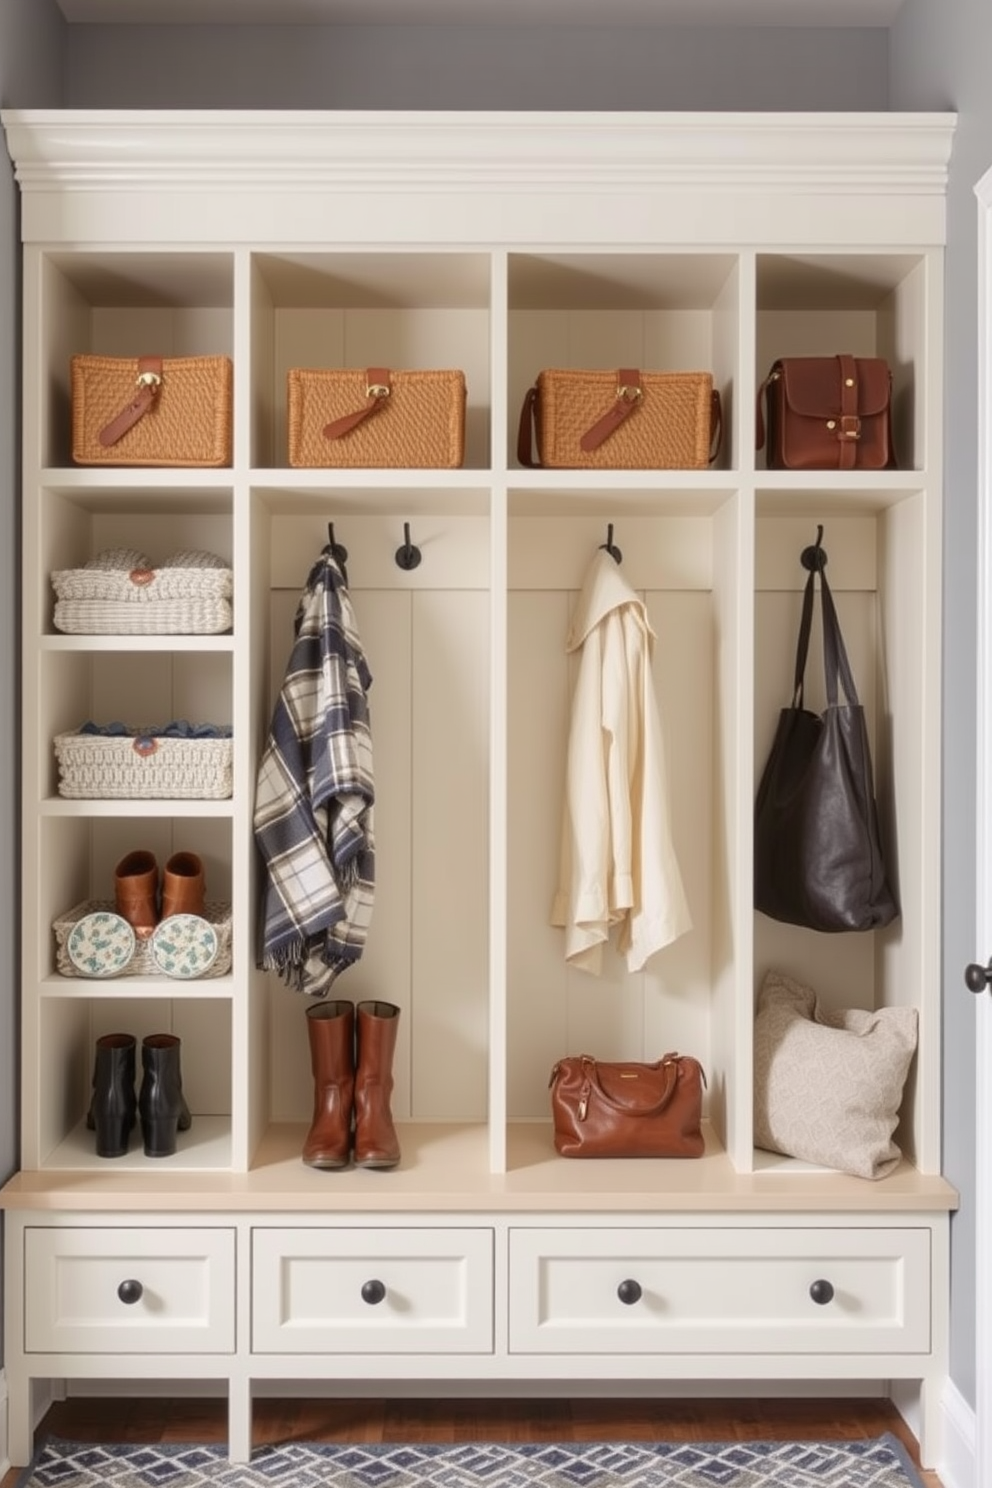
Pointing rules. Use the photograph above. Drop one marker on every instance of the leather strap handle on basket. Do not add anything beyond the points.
(378, 386)
(148, 382)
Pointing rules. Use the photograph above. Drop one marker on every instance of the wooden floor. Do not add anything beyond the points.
(480, 1420)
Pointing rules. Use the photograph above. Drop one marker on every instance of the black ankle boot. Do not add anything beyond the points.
(112, 1108)
(161, 1102)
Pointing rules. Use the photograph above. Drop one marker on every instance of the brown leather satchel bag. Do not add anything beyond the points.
(627, 1110)
(827, 413)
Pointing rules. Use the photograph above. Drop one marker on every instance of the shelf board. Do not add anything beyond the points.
(444, 1170)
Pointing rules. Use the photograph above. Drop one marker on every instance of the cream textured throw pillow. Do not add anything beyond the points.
(828, 1085)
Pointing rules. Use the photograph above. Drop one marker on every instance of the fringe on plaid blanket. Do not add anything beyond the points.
(314, 795)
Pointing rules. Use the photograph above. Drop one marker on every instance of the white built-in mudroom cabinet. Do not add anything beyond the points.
(499, 244)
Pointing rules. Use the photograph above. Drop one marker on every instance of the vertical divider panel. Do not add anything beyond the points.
(249, 1102)
(498, 798)
(733, 591)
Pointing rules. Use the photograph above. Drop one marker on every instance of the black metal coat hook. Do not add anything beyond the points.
(408, 556)
(815, 557)
(613, 551)
(338, 550)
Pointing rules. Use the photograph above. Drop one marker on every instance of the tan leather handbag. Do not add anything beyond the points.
(628, 1110)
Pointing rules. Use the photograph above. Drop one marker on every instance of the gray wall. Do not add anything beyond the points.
(933, 59)
(939, 59)
(31, 54)
(447, 67)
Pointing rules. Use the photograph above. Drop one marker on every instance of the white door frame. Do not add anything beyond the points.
(983, 874)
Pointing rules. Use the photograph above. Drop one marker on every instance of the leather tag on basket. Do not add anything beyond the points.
(173, 411)
(620, 420)
(827, 413)
(376, 418)
(628, 1110)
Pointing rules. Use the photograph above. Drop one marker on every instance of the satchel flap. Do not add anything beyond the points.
(812, 385)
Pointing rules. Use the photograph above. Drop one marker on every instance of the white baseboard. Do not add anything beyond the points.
(958, 1465)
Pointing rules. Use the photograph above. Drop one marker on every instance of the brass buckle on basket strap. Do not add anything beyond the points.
(150, 380)
(377, 390)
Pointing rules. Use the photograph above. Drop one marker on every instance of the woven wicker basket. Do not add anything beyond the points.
(182, 420)
(143, 764)
(614, 420)
(142, 963)
(393, 419)
(119, 592)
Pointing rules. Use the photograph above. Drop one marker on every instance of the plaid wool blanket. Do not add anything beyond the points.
(314, 795)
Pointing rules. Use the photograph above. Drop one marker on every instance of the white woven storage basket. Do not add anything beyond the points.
(142, 963)
(143, 764)
(164, 617)
(120, 592)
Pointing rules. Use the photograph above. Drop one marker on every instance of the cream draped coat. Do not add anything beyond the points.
(618, 863)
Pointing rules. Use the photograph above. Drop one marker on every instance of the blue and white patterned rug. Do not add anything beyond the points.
(880, 1463)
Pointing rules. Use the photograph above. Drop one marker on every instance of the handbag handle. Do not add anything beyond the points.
(836, 667)
(670, 1068)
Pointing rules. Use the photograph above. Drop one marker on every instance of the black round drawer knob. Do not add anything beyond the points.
(629, 1292)
(977, 978)
(822, 1292)
(130, 1292)
(373, 1292)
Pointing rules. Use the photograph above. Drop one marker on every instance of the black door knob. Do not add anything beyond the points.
(629, 1292)
(977, 978)
(130, 1292)
(373, 1292)
(822, 1292)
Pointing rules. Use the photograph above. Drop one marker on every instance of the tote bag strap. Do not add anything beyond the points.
(836, 667)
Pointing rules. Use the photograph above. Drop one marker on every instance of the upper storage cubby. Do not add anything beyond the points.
(657, 312)
(402, 311)
(123, 305)
(864, 305)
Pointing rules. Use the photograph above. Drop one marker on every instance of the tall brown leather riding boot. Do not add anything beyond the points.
(376, 1142)
(331, 1028)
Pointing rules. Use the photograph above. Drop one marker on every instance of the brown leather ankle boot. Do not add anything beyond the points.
(331, 1029)
(376, 1142)
(183, 885)
(136, 892)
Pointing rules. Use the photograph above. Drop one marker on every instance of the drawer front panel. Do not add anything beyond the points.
(129, 1291)
(372, 1291)
(788, 1291)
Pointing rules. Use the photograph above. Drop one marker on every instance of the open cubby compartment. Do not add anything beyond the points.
(862, 304)
(140, 688)
(81, 853)
(154, 513)
(882, 567)
(659, 312)
(409, 311)
(426, 635)
(125, 304)
(65, 1029)
(679, 552)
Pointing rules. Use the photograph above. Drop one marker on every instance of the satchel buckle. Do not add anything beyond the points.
(850, 426)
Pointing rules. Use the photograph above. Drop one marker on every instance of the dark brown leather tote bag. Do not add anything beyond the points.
(817, 849)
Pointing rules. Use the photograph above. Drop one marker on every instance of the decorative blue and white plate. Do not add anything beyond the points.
(185, 946)
(101, 944)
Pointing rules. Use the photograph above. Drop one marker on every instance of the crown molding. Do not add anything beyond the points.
(474, 157)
